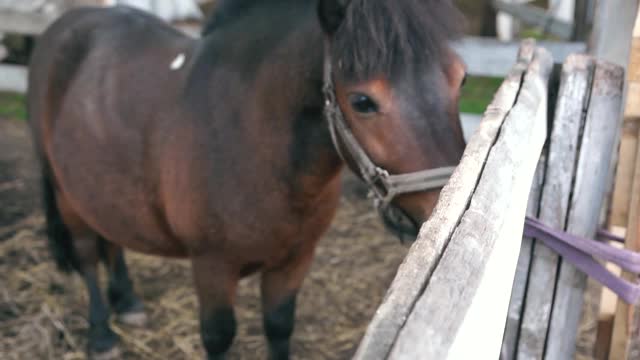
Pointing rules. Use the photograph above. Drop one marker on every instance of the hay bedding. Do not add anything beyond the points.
(43, 313)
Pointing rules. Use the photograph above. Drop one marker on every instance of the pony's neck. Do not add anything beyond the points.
(313, 154)
(278, 59)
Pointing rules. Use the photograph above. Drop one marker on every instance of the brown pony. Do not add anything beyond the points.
(217, 149)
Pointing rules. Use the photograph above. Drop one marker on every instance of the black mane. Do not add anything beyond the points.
(376, 36)
(224, 11)
(381, 36)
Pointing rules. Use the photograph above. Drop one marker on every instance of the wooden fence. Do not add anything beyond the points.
(573, 179)
(455, 290)
(456, 280)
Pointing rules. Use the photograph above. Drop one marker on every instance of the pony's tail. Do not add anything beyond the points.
(58, 234)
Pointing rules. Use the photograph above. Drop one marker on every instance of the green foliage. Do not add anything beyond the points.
(477, 93)
(13, 106)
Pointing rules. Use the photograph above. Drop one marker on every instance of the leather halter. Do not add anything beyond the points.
(384, 186)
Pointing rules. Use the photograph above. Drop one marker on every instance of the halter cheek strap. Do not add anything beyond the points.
(384, 186)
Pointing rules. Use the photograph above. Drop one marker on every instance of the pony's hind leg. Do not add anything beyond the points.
(75, 247)
(102, 341)
(124, 302)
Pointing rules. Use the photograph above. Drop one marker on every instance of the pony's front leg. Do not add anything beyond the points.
(215, 285)
(279, 290)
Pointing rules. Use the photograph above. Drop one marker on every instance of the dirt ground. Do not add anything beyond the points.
(43, 313)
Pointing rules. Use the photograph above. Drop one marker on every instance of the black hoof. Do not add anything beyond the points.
(111, 354)
(103, 343)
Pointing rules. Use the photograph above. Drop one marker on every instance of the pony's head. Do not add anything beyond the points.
(392, 78)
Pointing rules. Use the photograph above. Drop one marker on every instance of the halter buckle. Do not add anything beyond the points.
(380, 188)
(380, 175)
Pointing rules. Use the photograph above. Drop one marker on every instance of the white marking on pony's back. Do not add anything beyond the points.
(178, 62)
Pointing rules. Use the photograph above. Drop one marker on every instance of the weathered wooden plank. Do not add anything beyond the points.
(625, 342)
(457, 315)
(612, 28)
(491, 57)
(568, 119)
(512, 327)
(417, 267)
(589, 189)
(13, 78)
(626, 197)
(595, 312)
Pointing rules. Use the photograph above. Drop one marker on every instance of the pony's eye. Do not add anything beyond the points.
(363, 104)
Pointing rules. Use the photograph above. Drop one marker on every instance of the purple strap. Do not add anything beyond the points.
(581, 252)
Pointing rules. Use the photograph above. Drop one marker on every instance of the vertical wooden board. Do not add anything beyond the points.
(512, 326)
(624, 173)
(634, 337)
(568, 120)
(455, 317)
(633, 69)
(612, 29)
(625, 343)
(632, 107)
(590, 321)
(597, 145)
(417, 267)
(605, 328)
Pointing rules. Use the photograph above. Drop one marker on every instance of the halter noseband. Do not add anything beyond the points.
(384, 186)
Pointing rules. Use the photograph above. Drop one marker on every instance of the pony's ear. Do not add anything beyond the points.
(331, 13)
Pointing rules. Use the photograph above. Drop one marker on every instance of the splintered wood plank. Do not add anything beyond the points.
(589, 190)
(458, 314)
(414, 273)
(572, 101)
(512, 327)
